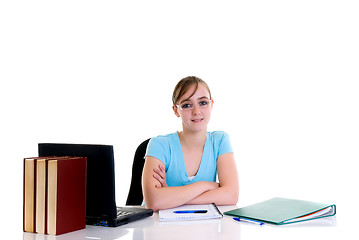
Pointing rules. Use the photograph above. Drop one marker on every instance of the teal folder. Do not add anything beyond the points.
(284, 211)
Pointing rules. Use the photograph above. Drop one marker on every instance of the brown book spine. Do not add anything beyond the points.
(41, 195)
(29, 201)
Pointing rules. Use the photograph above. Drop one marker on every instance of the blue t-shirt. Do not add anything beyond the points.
(167, 149)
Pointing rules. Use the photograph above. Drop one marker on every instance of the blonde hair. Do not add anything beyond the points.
(184, 84)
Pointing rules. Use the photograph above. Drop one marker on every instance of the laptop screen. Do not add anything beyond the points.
(100, 196)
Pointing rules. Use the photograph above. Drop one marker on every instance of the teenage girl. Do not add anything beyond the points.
(182, 167)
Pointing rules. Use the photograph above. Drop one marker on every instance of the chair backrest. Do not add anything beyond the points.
(135, 196)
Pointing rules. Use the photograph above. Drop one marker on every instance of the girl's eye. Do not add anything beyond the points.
(203, 103)
(186, 105)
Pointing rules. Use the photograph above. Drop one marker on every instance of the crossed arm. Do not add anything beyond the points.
(158, 195)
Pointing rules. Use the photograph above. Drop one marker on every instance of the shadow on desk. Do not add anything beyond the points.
(152, 229)
(85, 234)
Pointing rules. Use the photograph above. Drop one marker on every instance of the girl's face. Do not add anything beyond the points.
(195, 111)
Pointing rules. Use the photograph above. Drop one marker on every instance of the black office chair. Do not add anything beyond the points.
(135, 196)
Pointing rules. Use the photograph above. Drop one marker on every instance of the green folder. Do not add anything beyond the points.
(284, 211)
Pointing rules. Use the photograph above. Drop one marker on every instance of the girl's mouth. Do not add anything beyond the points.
(197, 120)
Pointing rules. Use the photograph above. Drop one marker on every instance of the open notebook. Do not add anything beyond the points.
(190, 212)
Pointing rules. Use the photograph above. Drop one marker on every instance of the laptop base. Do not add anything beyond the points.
(129, 214)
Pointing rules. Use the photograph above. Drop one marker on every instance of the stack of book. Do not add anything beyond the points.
(54, 194)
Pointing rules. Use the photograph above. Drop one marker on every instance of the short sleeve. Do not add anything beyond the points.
(224, 143)
(159, 148)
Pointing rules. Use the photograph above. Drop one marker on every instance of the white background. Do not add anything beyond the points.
(283, 75)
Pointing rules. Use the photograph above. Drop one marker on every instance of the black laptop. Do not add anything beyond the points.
(101, 209)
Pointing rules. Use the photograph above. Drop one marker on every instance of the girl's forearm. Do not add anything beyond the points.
(168, 197)
(219, 196)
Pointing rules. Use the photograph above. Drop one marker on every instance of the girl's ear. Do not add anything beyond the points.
(175, 110)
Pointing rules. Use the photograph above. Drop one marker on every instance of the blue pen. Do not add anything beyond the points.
(248, 221)
(191, 211)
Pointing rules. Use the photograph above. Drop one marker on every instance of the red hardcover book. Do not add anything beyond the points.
(66, 195)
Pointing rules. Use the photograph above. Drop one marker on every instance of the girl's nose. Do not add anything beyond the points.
(196, 110)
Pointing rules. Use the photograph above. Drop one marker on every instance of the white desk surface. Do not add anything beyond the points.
(226, 228)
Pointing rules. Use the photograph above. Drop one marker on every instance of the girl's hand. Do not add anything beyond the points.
(160, 176)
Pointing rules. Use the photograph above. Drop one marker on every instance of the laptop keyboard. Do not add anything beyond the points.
(121, 213)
